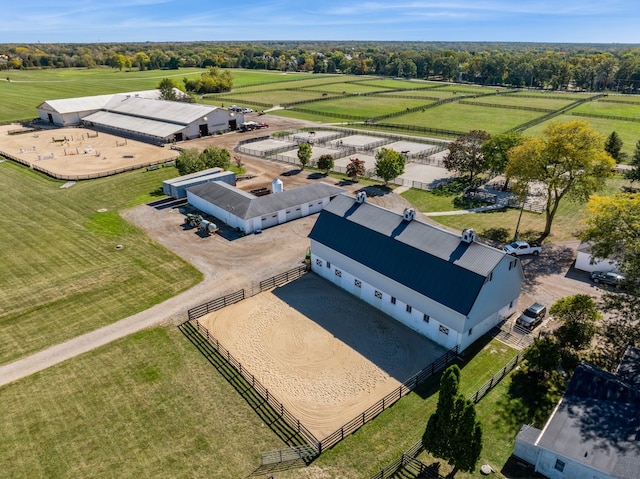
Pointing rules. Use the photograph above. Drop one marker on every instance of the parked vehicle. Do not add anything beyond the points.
(518, 248)
(532, 316)
(234, 108)
(262, 125)
(247, 110)
(607, 277)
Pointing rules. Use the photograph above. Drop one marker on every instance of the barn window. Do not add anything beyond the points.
(470, 331)
(339, 273)
(393, 300)
(444, 330)
(378, 294)
(328, 264)
(425, 318)
(559, 465)
(319, 262)
(357, 283)
(408, 308)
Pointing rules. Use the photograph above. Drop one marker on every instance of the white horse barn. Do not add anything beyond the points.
(140, 115)
(445, 286)
(250, 213)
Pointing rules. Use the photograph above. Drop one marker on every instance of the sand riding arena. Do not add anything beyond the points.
(326, 355)
(79, 153)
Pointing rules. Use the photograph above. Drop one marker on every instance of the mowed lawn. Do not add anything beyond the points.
(150, 405)
(61, 273)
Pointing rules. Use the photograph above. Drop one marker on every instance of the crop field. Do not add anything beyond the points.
(462, 118)
(61, 274)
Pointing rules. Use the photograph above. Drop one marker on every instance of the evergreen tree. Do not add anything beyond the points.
(613, 145)
(452, 432)
(634, 173)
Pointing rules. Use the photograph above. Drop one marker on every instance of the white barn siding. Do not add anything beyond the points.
(438, 326)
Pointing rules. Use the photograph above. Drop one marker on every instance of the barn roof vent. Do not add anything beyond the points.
(361, 197)
(468, 235)
(409, 214)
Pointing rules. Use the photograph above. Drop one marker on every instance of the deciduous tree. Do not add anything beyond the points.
(189, 161)
(466, 155)
(495, 151)
(355, 168)
(216, 157)
(325, 162)
(578, 315)
(568, 161)
(389, 164)
(304, 154)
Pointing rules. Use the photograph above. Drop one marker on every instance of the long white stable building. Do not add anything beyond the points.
(250, 213)
(140, 115)
(447, 287)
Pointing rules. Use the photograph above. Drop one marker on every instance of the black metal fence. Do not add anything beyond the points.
(283, 278)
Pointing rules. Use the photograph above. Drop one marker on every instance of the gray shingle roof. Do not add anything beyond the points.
(597, 423)
(427, 259)
(245, 205)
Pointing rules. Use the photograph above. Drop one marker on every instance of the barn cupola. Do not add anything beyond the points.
(468, 235)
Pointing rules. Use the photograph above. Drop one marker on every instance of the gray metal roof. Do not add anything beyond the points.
(245, 205)
(166, 111)
(145, 126)
(425, 258)
(90, 103)
(597, 423)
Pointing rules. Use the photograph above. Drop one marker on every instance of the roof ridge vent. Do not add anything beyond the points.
(409, 214)
(468, 235)
(361, 196)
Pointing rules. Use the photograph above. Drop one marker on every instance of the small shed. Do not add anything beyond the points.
(166, 184)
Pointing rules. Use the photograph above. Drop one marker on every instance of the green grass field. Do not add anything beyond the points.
(151, 406)
(61, 274)
(513, 100)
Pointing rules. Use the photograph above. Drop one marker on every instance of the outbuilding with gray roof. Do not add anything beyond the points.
(251, 213)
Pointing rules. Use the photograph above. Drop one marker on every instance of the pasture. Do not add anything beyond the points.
(150, 405)
(61, 274)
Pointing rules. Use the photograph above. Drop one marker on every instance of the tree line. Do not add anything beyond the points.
(549, 66)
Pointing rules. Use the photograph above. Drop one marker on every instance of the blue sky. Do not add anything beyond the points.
(88, 21)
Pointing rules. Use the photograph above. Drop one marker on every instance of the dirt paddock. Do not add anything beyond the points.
(326, 355)
(79, 151)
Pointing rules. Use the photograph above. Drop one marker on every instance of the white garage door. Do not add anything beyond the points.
(294, 213)
(269, 220)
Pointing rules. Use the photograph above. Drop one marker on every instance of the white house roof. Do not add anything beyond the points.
(89, 103)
